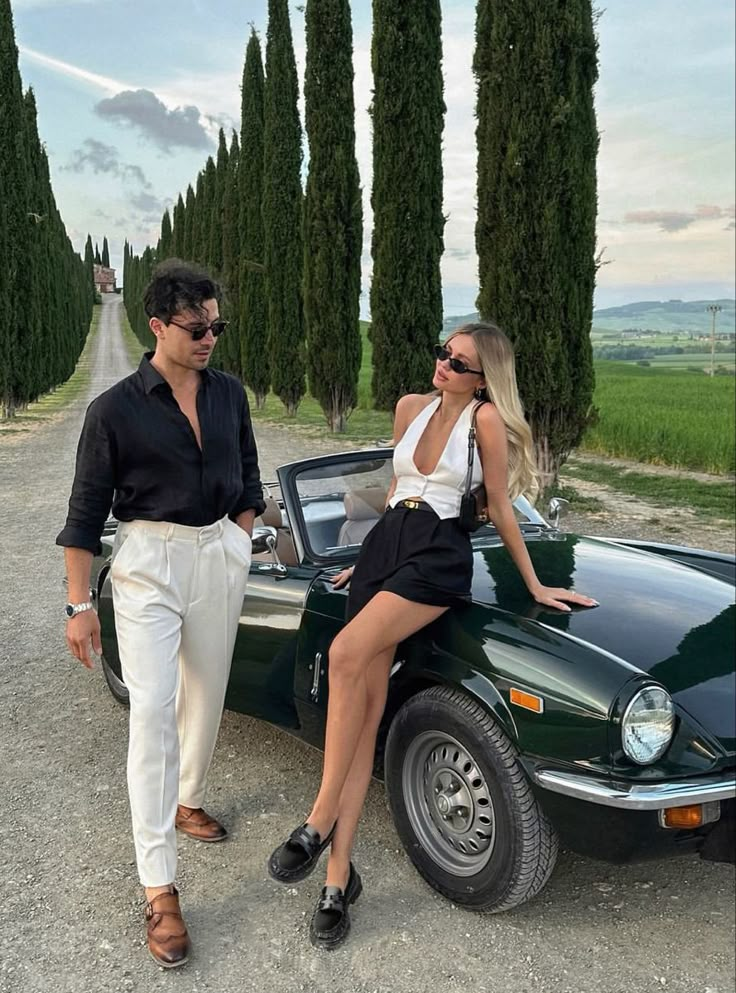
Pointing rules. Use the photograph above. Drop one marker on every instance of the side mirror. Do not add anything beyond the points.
(557, 509)
(265, 539)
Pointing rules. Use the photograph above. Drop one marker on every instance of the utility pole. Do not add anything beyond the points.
(713, 308)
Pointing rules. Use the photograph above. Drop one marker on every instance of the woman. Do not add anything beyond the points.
(414, 565)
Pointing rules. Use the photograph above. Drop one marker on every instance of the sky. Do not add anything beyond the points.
(131, 94)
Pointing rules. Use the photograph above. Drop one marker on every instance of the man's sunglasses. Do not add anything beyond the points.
(200, 330)
(455, 364)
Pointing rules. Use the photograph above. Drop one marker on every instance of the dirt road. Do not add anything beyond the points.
(70, 915)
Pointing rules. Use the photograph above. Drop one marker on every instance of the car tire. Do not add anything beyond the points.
(114, 680)
(463, 806)
(111, 666)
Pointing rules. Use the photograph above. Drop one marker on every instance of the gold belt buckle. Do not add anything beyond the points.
(411, 504)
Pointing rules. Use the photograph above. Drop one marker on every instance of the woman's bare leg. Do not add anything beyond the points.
(384, 622)
(358, 778)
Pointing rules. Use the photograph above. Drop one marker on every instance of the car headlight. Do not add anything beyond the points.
(648, 725)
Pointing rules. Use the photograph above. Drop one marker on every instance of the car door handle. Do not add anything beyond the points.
(314, 692)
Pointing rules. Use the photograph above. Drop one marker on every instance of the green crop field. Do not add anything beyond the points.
(665, 416)
(662, 413)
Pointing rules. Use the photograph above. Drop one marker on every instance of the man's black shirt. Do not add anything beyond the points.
(138, 454)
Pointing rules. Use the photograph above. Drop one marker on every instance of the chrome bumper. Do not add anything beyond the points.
(636, 796)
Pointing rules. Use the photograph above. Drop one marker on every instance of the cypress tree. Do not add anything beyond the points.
(230, 342)
(89, 266)
(98, 257)
(14, 226)
(178, 224)
(38, 371)
(165, 241)
(137, 274)
(189, 212)
(43, 283)
(126, 273)
(199, 239)
(282, 210)
(333, 217)
(253, 326)
(204, 211)
(408, 118)
(535, 66)
(105, 253)
(219, 186)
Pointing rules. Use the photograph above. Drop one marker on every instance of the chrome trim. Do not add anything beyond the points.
(314, 692)
(636, 796)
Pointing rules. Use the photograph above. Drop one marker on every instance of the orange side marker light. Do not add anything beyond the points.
(529, 701)
(683, 817)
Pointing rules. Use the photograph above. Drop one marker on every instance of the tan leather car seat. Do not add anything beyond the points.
(363, 507)
(273, 517)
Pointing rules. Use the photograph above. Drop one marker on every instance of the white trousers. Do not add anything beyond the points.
(178, 593)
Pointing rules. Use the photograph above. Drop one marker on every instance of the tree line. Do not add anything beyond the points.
(291, 258)
(47, 291)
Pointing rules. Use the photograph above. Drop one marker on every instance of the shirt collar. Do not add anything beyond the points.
(152, 378)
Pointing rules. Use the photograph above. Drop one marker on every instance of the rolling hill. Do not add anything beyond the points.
(655, 315)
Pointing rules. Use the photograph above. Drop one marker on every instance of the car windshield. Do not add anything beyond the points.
(341, 501)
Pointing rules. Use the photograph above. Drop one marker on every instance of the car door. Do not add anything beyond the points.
(332, 502)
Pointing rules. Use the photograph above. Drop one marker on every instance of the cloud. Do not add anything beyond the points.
(224, 121)
(148, 204)
(102, 158)
(678, 220)
(168, 129)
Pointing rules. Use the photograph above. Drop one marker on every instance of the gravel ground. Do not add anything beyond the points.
(70, 917)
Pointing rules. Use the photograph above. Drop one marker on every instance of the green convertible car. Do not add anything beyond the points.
(510, 727)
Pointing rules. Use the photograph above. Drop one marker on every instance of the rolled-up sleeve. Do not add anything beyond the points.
(94, 484)
(251, 497)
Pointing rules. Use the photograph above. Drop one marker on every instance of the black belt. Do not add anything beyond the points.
(414, 505)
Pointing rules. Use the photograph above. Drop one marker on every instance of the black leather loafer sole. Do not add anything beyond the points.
(304, 840)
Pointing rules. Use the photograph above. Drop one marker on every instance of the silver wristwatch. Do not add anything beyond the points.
(72, 609)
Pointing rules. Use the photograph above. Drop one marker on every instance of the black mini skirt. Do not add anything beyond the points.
(417, 556)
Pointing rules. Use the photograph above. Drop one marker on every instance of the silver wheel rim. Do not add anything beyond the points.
(449, 803)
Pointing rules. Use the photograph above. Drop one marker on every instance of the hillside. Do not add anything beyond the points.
(656, 315)
(667, 315)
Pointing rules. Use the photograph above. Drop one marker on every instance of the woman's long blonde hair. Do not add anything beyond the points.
(496, 355)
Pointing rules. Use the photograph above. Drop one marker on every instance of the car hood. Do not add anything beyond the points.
(674, 623)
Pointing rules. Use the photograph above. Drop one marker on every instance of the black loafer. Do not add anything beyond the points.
(298, 855)
(331, 919)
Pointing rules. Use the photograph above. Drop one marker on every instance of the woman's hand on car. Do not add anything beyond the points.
(341, 578)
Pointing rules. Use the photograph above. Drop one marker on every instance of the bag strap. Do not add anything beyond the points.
(471, 448)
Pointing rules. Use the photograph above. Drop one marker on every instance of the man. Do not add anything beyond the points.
(171, 449)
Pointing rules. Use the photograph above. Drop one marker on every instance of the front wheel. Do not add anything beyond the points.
(462, 805)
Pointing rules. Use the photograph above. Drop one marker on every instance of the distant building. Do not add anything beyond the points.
(104, 279)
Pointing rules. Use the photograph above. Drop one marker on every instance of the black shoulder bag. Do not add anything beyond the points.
(473, 513)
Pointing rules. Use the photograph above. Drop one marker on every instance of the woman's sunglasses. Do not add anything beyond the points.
(200, 330)
(455, 364)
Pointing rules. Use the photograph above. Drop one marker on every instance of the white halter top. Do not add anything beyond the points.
(443, 488)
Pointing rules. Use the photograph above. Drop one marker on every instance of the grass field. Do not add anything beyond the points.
(716, 500)
(664, 416)
(661, 414)
(365, 425)
(701, 360)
